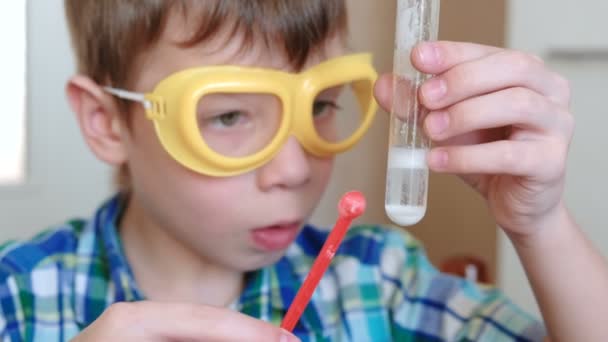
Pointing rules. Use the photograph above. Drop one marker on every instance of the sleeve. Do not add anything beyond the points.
(8, 326)
(2, 326)
(11, 326)
(426, 304)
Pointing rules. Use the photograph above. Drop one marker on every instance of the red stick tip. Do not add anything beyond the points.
(352, 204)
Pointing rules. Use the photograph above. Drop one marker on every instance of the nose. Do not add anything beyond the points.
(290, 168)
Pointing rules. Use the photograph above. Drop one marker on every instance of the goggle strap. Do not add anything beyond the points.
(129, 95)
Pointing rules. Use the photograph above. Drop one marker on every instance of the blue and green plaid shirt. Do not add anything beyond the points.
(380, 287)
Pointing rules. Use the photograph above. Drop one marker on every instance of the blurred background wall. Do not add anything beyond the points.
(572, 38)
(62, 178)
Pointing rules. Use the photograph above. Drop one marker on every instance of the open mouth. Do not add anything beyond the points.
(275, 237)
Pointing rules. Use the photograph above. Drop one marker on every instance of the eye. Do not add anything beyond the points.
(228, 119)
(321, 107)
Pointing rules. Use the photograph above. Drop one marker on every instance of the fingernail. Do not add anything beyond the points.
(434, 89)
(438, 159)
(437, 123)
(288, 337)
(428, 53)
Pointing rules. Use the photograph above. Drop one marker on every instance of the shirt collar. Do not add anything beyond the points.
(106, 250)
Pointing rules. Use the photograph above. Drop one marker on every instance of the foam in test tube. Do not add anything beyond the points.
(407, 171)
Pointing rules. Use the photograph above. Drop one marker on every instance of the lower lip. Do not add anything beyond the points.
(275, 238)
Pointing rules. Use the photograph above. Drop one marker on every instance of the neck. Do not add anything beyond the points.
(167, 270)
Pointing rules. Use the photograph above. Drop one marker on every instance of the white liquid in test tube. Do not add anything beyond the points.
(407, 171)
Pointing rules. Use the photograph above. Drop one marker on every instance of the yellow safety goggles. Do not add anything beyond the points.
(227, 120)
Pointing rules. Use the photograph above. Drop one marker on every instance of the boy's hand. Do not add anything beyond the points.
(148, 321)
(500, 119)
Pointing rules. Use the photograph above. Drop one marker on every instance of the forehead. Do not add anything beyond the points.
(170, 54)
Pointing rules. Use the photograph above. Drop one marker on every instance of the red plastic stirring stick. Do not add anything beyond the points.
(351, 206)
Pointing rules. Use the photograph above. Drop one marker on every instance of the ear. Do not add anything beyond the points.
(98, 119)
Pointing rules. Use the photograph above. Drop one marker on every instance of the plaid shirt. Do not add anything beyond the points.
(380, 287)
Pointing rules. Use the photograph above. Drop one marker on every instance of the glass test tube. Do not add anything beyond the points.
(407, 171)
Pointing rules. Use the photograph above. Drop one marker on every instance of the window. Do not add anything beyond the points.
(12, 92)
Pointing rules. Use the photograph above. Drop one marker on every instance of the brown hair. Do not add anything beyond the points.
(109, 35)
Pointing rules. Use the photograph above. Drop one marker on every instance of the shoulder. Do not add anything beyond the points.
(34, 275)
(369, 244)
(61, 247)
(52, 246)
(385, 267)
(368, 274)
(373, 254)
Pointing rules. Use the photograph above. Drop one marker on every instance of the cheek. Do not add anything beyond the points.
(321, 170)
(153, 172)
(158, 180)
(212, 198)
(142, 144)
(183, 199)
(322, 167)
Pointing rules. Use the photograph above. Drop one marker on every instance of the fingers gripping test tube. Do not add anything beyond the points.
(407, 171)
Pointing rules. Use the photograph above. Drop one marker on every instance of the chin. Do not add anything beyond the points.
(259, 260)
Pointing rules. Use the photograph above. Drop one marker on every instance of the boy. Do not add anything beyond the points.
(225, 157)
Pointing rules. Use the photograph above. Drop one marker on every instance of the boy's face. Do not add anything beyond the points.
(241, 222)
